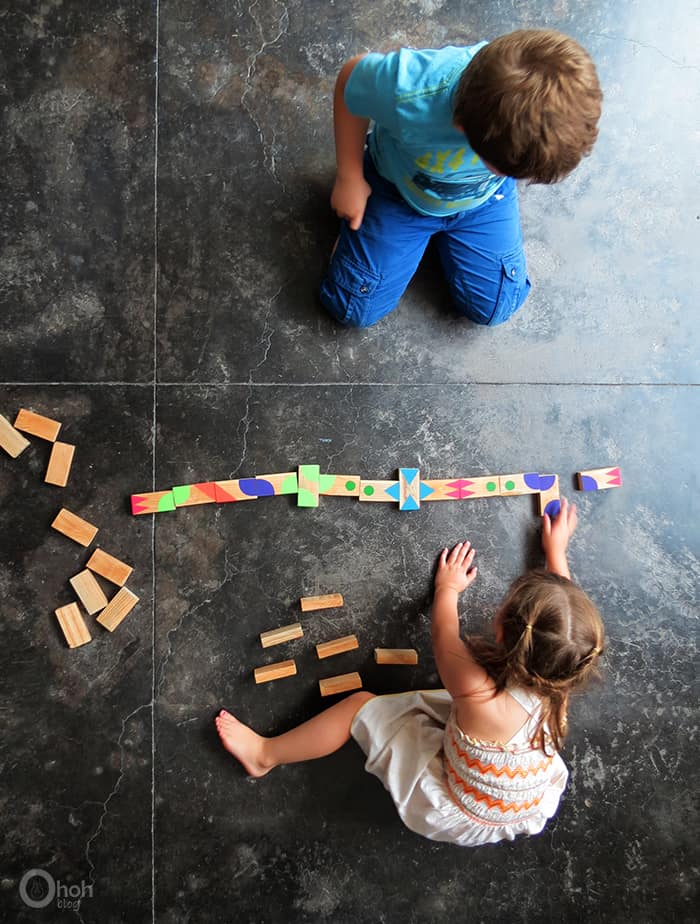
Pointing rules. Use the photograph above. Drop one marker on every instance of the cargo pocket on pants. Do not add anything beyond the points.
(347, 291)
(514, 287)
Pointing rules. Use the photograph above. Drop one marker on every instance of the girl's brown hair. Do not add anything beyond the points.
(529, 104)
(550, 637)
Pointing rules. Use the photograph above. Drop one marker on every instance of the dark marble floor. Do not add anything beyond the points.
(164, 224)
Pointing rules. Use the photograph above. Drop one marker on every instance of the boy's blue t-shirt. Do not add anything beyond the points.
(410, 97)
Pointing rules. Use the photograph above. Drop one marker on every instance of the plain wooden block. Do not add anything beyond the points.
(43, 427)
(152, 502)
(409, 489)
(438, 489)
(226, 492)
(520, 483)
(73, 625)
(322, 602)
(278, 483)
(74, 527)
(396, 656)
(339, 485)
(11, 440)
(309, 482)
(89, 592)
(121, 604)
(60, 461)
(337, 646)
(382, 492)
(283, 634)
(599, 479)
(109, 567)
(189, 495)
(275, 671)
(340, 684)
(548, 499)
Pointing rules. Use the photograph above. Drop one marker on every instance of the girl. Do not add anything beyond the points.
(477, 762)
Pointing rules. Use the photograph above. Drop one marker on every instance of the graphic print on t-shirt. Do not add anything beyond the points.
(437, 163)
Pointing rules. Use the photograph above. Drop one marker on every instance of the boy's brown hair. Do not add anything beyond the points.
(550, 638)
(529, 104)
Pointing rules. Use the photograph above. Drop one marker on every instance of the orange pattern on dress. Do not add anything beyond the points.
(489, 800)
(474, 762)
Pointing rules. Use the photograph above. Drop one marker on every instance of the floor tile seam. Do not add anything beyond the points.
(154, 385)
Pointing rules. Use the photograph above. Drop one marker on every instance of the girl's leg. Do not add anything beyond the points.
(318, 737)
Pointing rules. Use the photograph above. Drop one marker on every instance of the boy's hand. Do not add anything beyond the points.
(455, 571)
(556, 535)
(349, 199)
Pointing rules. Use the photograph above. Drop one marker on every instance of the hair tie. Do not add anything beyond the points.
(596, 650)
(528, 627)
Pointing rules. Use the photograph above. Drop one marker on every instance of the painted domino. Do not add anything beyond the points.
(459, 488)
(409, 489)
(279, 483)
(599, 479)
(339, 485)
(309, 484)
(238, 489)
(188, 495)
(386, 492)
(522, 483)
(548, 498)
(152, 502)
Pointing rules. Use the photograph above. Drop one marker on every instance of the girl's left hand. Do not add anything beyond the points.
(455, 570)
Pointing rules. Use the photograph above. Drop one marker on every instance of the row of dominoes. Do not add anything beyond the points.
(12, 441)
(329, 686)
(408, 490)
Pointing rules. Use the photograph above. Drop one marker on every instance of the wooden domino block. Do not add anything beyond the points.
(275, 671)
(396, 656)
(237, 489)
(279, 483)
(11, 440)
(60, 461)
(188, 495)
(283, 634)
(43, 427)
(548, 498)
(121, 604)
(322, 602)
(340, 684)
(340, 485)
(522, 483)
(109, 567)
(337, 646)
(89, 592)
(409, 489)
(152, 502)
(309, 483)
(73, 625)
(599, 479)
(459, 488)
(74, 527)
(383, 492)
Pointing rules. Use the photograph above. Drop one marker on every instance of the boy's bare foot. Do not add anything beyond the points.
(241, 741)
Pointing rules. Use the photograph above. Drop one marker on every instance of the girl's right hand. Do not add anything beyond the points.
(556, 533)
(455, 570)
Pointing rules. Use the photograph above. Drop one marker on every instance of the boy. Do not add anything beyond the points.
(454, 128)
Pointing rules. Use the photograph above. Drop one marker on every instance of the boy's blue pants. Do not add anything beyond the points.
(481, 252)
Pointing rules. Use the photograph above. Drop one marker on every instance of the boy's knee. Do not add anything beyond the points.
(497, 295)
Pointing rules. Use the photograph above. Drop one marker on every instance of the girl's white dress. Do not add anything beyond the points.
(450, 787)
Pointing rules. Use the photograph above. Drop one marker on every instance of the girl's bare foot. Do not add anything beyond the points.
(241, 741)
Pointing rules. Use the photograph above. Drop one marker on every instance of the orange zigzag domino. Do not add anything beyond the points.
(474, 762)
(489, 800)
